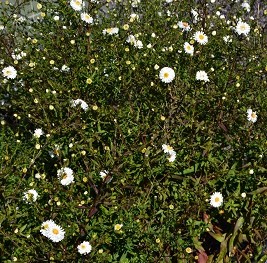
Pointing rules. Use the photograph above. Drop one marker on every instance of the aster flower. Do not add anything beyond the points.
(184, 26)
(38, 133)
(131, 39)
(138, 44)
(46, 226)
(30, 196)
(77, 5)
(216, 199)
(55, 233)
(9, 72)
(111, 31)
(172, 156)
(242, 28)
(65, 175)
(84, 248)
(202, 75)
(201, 37)
(87, 18)
(251, 115)
(118, 227)
(167, 148)
(189, 49)
(166, 75)
(77, 102)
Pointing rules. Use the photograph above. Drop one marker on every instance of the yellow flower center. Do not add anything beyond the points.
(253, 115)
(166, 75)
(217, 199)
(201, 37)
(55, 231)
(83, 246)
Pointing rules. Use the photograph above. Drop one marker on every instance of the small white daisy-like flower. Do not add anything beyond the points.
(202, 75)
(30, 196)
(189, 49)
(216, 199)
(65, 175)
(118, 227)
(131, 39)
(87, 18)
(138, 44)
(9, 72)
(167, 148)
(77, 5)
(184, 26)
(111, 31)
(55, 233)
(84, 248)
(38, 133)
(77, 102)
(246, 6)
(135, 3)
(195, 15)
(227, 39)
(251, 171)
(104, 174)
(166, 75)
(201, 37)
(46, 226)
(251, 115)
(172, 156)
(242, 28)
(65, 68)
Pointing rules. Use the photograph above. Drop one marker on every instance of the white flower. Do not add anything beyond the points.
(83, 104)
(87, 18)
(242, 28)
(46, 226)
(201, 37)
(56, 18)
(189, 49)
(104, 174)
(118, 227)
(166, 75)
(111, 31)
(243, 195)
(251, 115)
(65, 68)
(246, 6)
(135, 3)
(167, 148)
(195, 15)
(55, 233)
(131, 39)
(84, 248)
(168, 1)
(30, 196)
(216, 199)
(251, 171)
(172, 156)
(9, 72)
(65, 175)
(202, 75)
(138, 44)
(38, 133)
(77, 5)
(227, 39)
(184, 26)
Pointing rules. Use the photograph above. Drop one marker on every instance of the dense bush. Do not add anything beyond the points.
(135, 125)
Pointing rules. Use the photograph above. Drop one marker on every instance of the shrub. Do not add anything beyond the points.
(133, 131)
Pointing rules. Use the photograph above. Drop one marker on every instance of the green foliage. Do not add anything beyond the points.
(163, 207)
